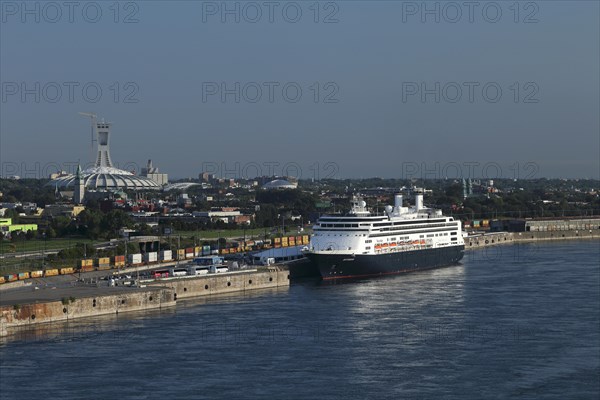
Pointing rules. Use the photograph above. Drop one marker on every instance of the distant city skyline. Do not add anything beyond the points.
(326, 89)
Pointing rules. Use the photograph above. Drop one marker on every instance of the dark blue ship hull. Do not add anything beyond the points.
(335, 266)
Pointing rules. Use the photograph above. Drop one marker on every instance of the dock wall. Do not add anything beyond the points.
(499, 238)
(55, 311)
(158, 294)
(225, 283)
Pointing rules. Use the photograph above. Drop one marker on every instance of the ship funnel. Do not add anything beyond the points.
(419, 201)
(397, 201)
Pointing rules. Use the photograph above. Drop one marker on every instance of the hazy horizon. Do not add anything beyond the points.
(342, 89)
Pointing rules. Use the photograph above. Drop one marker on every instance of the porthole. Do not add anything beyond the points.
(270, 279)
(150, 298)
(206, 287)
(250, 282)
(185, 289)
(64, 310)
(228, 283)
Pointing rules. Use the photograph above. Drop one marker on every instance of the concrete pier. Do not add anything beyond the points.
(24, 308)
(32, 305)
(205, 285)
(498, 238)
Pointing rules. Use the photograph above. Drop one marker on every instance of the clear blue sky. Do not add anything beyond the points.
(375, 58)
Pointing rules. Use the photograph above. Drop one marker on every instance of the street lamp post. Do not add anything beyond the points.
(44, 252)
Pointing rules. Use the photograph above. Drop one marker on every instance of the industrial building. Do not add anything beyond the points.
(6, 225)
(544, 225)
(152, 172)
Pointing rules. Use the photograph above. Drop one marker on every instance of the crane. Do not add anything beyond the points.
(93, 118)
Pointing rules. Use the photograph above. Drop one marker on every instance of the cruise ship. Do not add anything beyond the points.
(402, 239)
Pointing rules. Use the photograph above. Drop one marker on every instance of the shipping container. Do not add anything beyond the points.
(224, 251)
(66, 271)
(51, 272)
(86, 263)
(119, 258)
(151, 257)
(135, 259)
(485, 223)
(119, 264)
(180, 254)
(305, 239)
(86, 268)
(2, 280)
(166, 255)
(12, 277)
(197, 251)
(205, 250)
(103, 261)
(36, 274)
(23, 275)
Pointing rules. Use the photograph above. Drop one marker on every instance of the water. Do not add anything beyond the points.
(511, 322)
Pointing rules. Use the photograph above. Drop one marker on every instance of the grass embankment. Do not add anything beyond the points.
(39, 246)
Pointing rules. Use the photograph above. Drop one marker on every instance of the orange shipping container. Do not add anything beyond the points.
(51, 272)
(37, 274)
(2, 280)
(66, 271)
(23, 275)
(86, 263)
